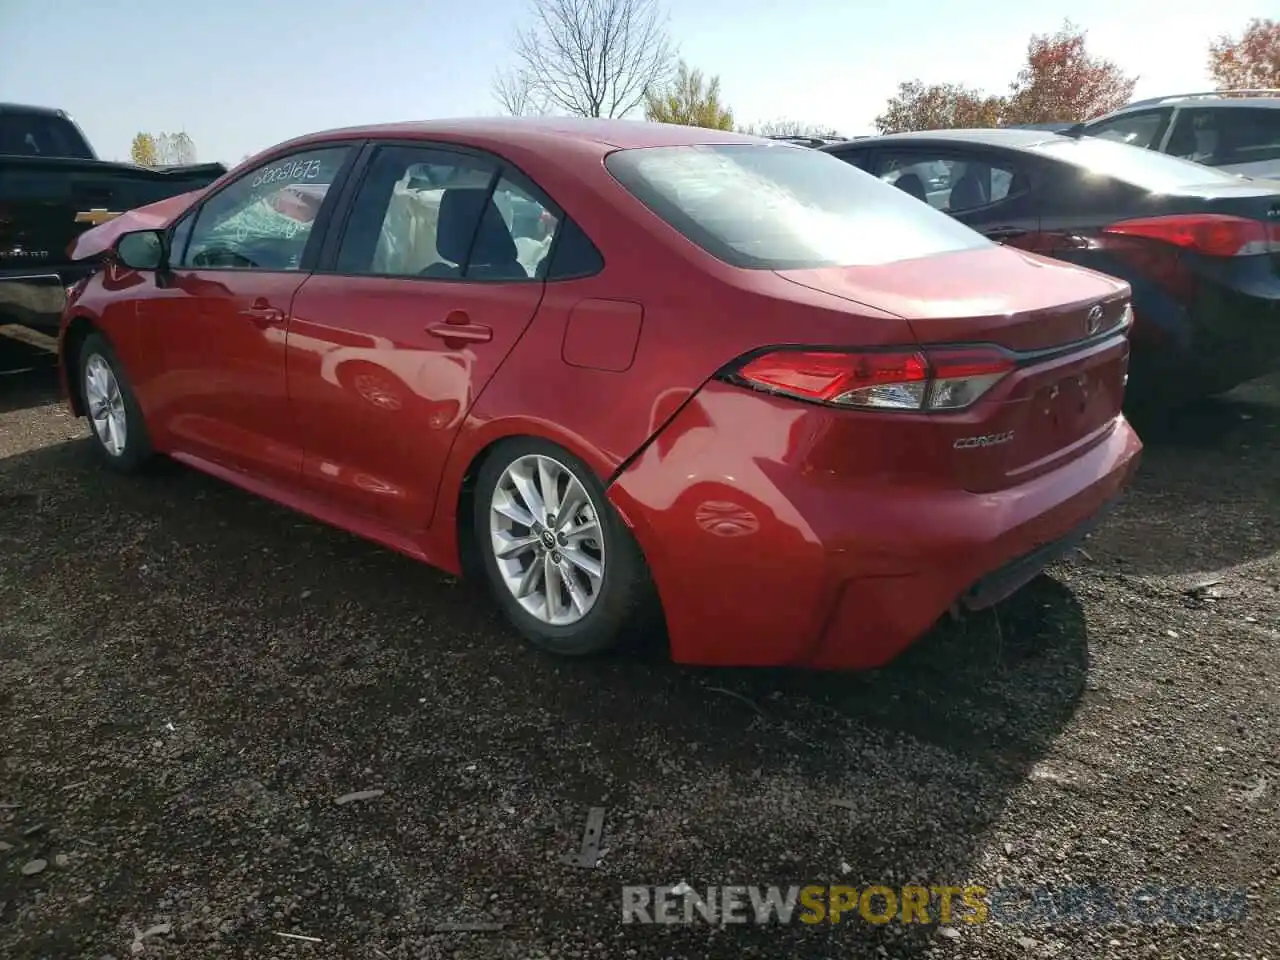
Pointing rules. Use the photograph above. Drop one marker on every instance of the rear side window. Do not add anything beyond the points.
(416, 214)
(955, 184)
(1227, 135)
(1146, 169)
(426, 212)
(779, 207)
(574, 255)
(859, 158)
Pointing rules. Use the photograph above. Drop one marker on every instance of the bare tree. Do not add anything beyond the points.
(787, 128)
(514, 92)
(592, 58)
(174, 148)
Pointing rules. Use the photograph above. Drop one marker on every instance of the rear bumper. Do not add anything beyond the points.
(1226, 336)
(1005, 581)
(759, 561)
(999, 543)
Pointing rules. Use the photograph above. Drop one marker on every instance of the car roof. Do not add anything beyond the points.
(1224, 100)
(1011, 137)
(31, 109)
(537, 131)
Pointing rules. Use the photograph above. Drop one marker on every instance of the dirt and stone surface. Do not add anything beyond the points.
(191, 678)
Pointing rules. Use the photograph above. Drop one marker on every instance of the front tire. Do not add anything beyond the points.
(115, 420)
(559, 559)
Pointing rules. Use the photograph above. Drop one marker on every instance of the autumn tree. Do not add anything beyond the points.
(162, 150)
(1061, 81)
(1251, 62)
(938, 106)
(590, 58)
(689, 99)
(143, 151)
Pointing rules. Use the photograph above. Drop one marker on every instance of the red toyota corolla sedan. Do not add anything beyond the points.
(624, 367)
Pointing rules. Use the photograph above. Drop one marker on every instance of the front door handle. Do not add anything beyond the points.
(458, 326)
(263, 314)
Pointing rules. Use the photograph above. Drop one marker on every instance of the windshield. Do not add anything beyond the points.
(778, 207)
(1134, 165)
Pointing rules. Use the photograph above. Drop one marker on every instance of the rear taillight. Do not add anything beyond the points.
(1213, 234)
(939, 378)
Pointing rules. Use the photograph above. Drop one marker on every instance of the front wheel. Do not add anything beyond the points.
(115, 419)
(559, 559)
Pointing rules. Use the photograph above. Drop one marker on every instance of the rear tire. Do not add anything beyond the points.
(116, 424)
(560, 561)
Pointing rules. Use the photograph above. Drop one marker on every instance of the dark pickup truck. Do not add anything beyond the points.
(53, 188)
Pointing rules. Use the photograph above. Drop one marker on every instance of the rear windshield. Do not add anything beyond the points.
(779, 207)
(41, 135)
(1138, 166)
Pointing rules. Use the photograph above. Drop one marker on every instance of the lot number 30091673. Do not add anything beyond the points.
(289, 171)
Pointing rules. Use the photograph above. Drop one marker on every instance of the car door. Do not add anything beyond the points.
(418, 301)
(219, 318)
(988, 190)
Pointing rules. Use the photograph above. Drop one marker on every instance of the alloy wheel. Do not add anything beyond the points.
(106, 405)
(546, 538)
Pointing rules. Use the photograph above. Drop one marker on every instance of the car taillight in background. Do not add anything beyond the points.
(933, 378)
(1212, 234)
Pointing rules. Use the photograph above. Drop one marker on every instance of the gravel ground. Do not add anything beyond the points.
(190, 677)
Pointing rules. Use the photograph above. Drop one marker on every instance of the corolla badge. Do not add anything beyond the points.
(1094, 319)
(986, 440)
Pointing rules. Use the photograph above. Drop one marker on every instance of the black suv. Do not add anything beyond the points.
(1237, 130)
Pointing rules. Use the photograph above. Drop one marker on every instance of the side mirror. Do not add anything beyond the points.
(141, 250)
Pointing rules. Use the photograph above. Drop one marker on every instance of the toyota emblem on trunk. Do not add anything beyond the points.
(1094, 320)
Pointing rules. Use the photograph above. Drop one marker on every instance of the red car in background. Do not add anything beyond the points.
(741, 384)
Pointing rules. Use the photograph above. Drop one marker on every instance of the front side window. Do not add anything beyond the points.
(777, 206)
(263, 221)
(1140, 129)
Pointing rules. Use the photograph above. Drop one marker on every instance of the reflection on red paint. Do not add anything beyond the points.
(725, 518)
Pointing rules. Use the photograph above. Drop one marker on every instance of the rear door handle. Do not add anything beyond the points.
(263, 314)
(458, 326)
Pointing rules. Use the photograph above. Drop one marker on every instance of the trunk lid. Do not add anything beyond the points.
(1061, 326)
